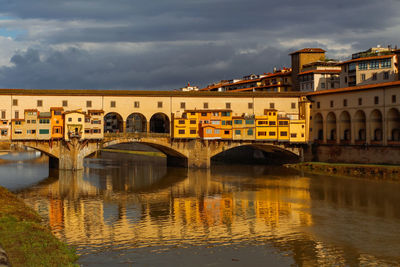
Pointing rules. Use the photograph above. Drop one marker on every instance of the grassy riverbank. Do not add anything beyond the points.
(371, 171)
(26, 241)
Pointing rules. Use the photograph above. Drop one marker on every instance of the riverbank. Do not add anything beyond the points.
(370, 171)
(26, 241)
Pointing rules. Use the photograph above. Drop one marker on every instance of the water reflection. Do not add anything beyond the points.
(137, 210)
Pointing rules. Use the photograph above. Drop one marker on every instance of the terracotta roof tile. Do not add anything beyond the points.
(320, 72)
(365, 58)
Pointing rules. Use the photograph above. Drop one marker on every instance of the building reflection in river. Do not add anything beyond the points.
(137, 206)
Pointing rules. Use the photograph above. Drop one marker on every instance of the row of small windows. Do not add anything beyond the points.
(136, 104)
(359, 100)
(373, 64)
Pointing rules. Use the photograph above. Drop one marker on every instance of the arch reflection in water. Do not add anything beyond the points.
(106, 215)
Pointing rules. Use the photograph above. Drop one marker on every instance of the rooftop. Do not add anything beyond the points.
(309, 50)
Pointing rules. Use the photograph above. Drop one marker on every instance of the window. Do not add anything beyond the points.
(262, 134)
(226, 132)
(65, 103)
(293, 135)
(393, 98)
(250, 132)
(18, 132)
(272, 123)
(376, 100)
(4, 132)
(352, 66)
(205, 105)
(360, 101)
(293, 105)
(374, 64)
(272, 133)
(362, 66)
(69, 119)
(43, 131)
(28, 121)
(238, 132)
(136, 104)
(215, 122)
(183, 105)
(374, 76)
(249, 121)
(344, 102)
(181, 131)
(262, 122)
(15, 102)
(192, 131)
(215, 114)
(181, 122)
(88, 104)
(225, 114)
(209, 131)
(362, 77)
(33, 121)
(40, 103)
(386, 63)
(79, 119)
(331, 104)
(271, 105)
(3, 114)
(237, 122)
(345, 79)
(16, 115)
(283, 123)
(227, 105)
(31, 131)
(87, 131)
(159, 104)
(323, 85)
(250, 105)
(216, 131)
(192, 121)
(386, 75)
(204, 114)
(18, 123)
(113, 104)
(318, 104)
(283, 133)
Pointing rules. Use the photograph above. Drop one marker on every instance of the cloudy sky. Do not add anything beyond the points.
(163, 44)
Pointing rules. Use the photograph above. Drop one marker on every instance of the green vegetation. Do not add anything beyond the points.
(26, 241)
(145, 153)
(372, 171)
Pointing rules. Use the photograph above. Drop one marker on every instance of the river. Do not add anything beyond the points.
(135, 211)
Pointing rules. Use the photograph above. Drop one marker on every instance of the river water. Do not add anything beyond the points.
(136, 211)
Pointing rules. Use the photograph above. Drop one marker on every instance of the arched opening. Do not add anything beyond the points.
(345, 127)
(256, 154)
(331, 126)
(136, 123)
(376, 126)
(159, 123)
(318, 127)
(360, 125)
(393, 125)
(113, 123)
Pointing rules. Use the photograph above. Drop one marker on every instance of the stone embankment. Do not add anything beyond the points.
(370, 171)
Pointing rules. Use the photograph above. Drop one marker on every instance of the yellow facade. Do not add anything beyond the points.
(297, 131)
(74, 124)
(283, 130)
(57, 122)
(186, 126)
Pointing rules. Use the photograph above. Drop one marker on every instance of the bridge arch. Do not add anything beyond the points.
(318, 127)
(269, 153)
(113, 123)
(376, 125)
(331, 126)
(360, 124)
(136, 123)
(345, 126)
(160, 123)
(393, 118)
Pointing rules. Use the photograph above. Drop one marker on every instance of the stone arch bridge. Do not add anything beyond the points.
(192, 153)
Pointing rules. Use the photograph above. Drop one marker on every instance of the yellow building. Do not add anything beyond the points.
(57, 122)
(18, 129)
(94, 124)
(74, 124)
(283, 129)
(297, 131)
(30, 126)
(266, 126)
(226, 124)
(243, 128)
(186, 125)
(44, 126)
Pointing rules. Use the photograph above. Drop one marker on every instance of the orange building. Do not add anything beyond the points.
(57, 122)
(215, 124)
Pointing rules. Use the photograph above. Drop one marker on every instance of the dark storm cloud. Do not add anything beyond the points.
(200, 41)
